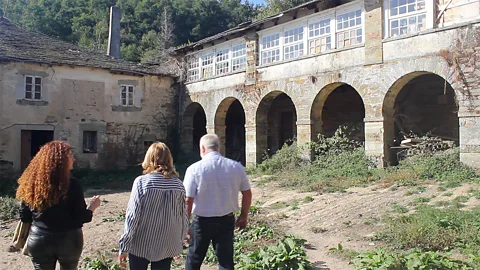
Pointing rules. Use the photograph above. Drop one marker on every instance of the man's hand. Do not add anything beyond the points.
(241, 222)
(122, 260)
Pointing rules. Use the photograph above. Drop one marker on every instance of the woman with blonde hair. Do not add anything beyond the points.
(55, 205)
(156, 220)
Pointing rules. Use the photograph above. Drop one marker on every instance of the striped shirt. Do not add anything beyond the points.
(215, 182)
(156, 221)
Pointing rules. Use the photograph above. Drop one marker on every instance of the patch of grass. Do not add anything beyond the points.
(9, 208)
(462, 199)
(99, 263)
(399, 209)
(447, 194)
(419, 200)
(411, 259)
(318, 230)
(118, 218)
(295, 205)
(475, 193)
(114, 179)
(371, 221)
(343, 252)
(279, 205)
(266, 179)
(431, 228)
(308, 199)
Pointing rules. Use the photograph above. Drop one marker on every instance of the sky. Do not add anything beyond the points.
(257, 1)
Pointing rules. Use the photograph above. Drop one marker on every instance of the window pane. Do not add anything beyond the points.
(38, 89)
(37, 95)
(28, 88)
(28, 79)
(28, 95)
(38, 80)
(124, 95)
(130, 89)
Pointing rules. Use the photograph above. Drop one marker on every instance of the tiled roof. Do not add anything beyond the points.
(242, 28)
(20, 45)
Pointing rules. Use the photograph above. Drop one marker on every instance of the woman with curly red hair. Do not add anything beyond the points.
(55, 205)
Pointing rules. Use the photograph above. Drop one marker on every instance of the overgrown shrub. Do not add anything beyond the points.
(8, 208)
(341, 141)
(430, 228)
(100, 263)
(112, 179)
(289, 253)
(287, 158)
(333, 172)
(442, 166)
(413, 259)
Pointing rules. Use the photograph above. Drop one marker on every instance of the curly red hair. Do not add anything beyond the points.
(46, 179)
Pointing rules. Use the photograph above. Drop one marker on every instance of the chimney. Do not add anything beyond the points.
(114, 33)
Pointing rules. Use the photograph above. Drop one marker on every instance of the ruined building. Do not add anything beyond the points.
(386, 67)
(106, 108)
(389, 67)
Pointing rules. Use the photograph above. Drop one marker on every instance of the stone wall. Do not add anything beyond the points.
(78, 99)
(377, 70)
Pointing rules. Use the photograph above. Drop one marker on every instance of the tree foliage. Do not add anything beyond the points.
(148, 26)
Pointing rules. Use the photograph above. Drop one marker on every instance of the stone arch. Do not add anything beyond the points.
(337, 104)
(230, 127)
(422, 103)
(193, 127)
(275, 123)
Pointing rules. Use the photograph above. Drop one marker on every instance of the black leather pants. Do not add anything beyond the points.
(45, 248)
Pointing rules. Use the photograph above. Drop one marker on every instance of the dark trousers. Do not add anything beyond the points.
(45, 248)
(138, 263)
(215, 230)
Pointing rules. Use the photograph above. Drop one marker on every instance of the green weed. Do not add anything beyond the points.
(8, 208)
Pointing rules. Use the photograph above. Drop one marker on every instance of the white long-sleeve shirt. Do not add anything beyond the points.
(156, 221)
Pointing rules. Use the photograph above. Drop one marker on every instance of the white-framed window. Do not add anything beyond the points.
(193, 72)
(349, 28)
(222, 62)
(33, 88)
(207, 65)
(127, 95)
(271, 48)
(319, 36)
(239, 56)
(293, 43)
(406, 16)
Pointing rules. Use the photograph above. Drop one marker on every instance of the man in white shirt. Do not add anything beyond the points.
(212, 186)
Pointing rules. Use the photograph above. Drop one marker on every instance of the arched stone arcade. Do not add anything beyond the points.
(335, 105)
(275, 122)
(422, 103)
(193, 127)
(230, 127)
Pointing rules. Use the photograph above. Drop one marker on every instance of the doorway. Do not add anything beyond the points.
(32, 140)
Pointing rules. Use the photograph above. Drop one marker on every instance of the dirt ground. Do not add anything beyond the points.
(325, 220)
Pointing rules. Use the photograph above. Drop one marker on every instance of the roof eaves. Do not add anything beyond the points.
(241, 27)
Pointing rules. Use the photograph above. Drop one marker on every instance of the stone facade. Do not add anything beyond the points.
(427, 81)
(82, 101)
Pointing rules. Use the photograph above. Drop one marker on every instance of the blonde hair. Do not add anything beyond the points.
(159, 159)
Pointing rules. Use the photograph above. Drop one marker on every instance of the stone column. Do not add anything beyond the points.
(470, 139)
(375, 140)
(251, 145)
(251, 39)
(304, 136)
(373, 32)
(221, 130)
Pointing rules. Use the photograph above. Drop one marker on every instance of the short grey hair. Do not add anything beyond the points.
(210, 142)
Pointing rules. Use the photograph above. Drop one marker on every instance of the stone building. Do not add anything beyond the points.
(390, 67)
(106, 108)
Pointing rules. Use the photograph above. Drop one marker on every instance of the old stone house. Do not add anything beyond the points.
(389, 66)
(106, 108)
